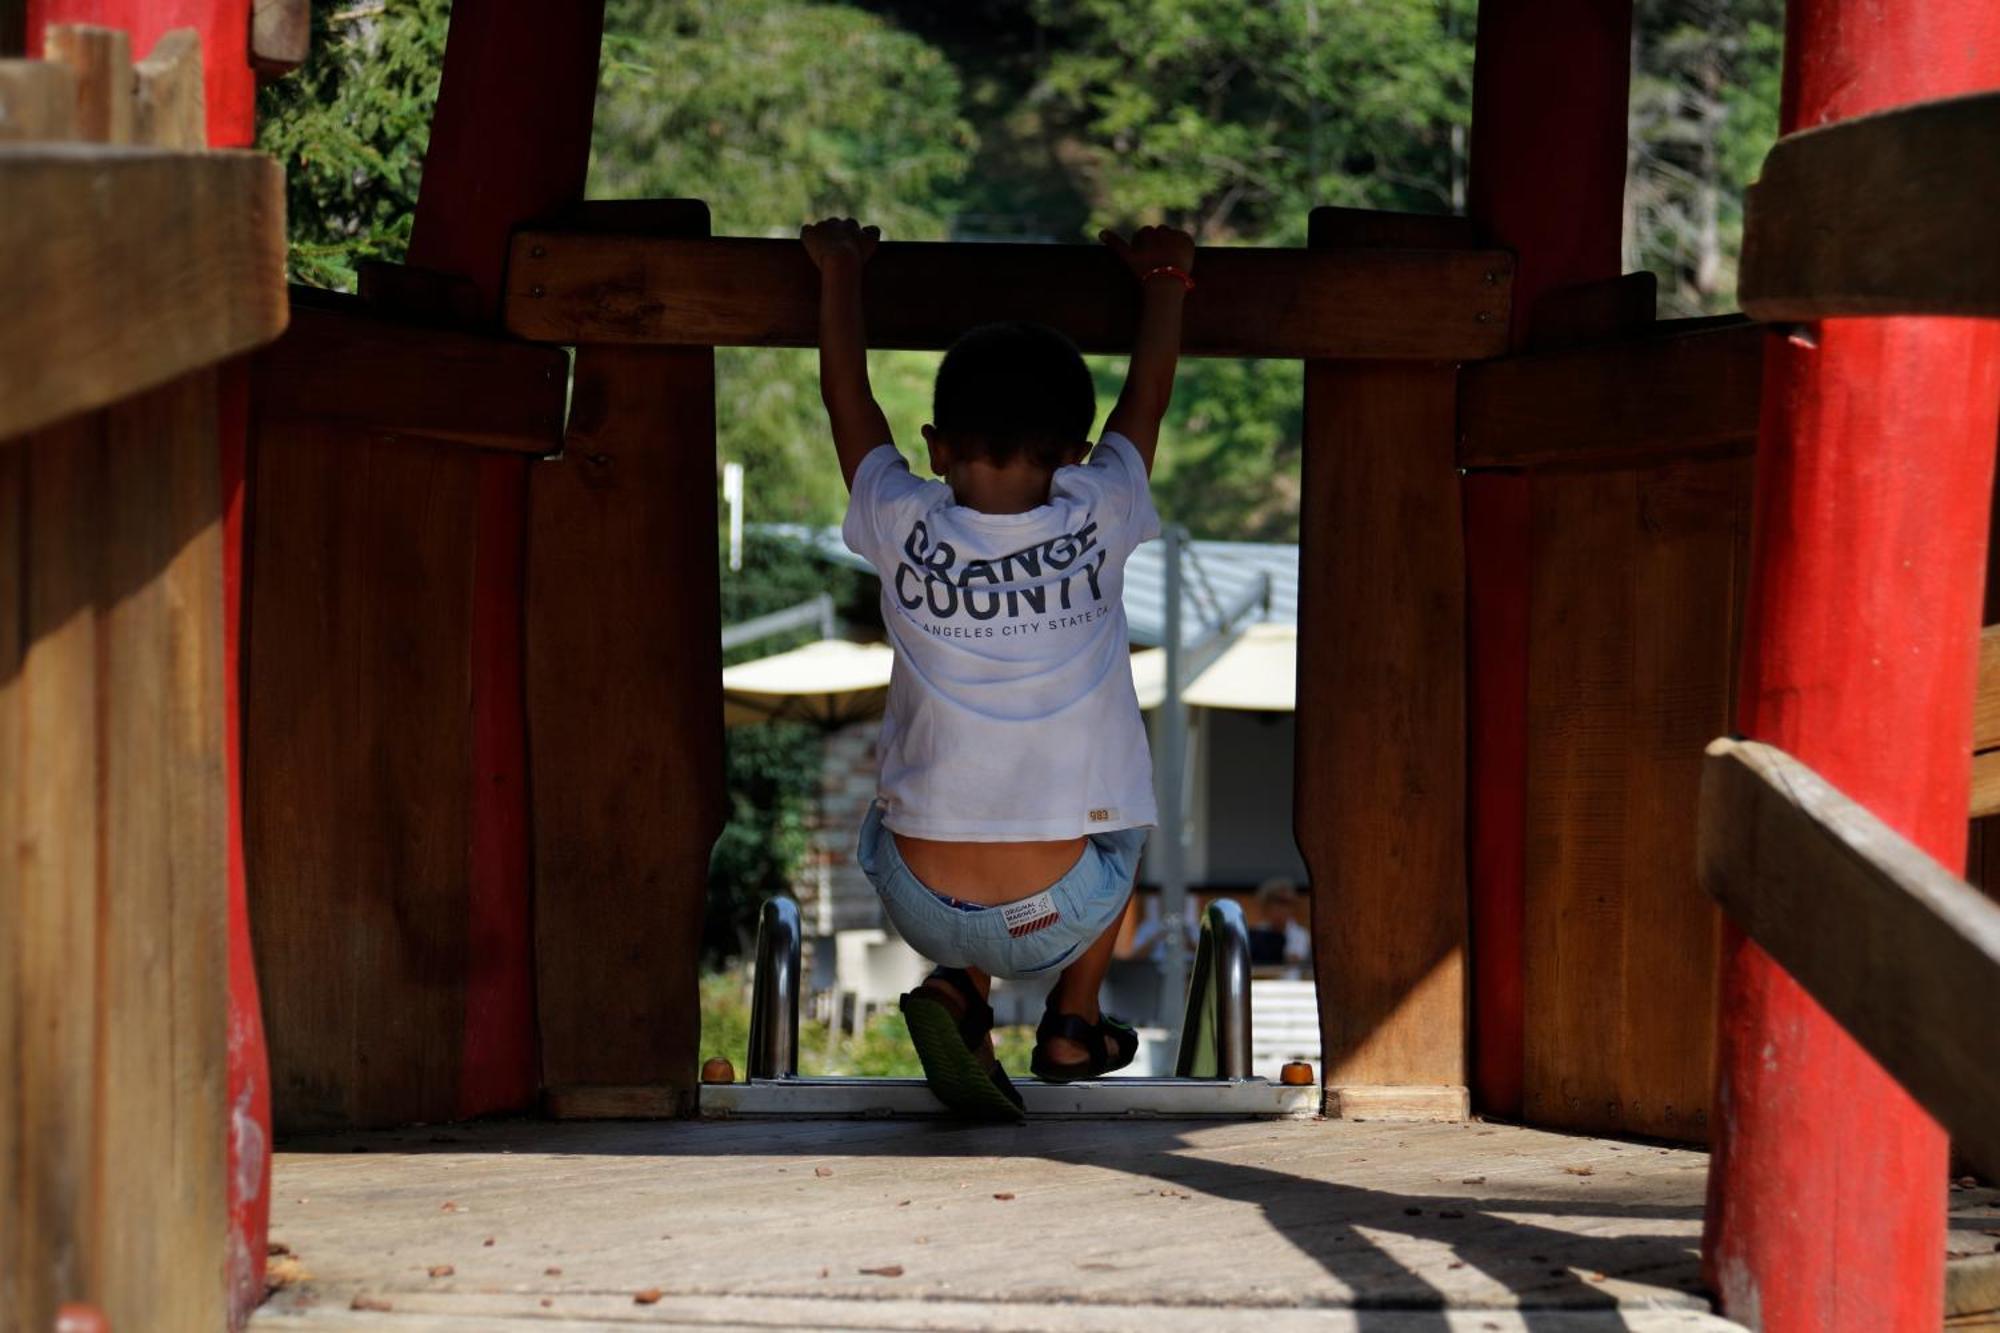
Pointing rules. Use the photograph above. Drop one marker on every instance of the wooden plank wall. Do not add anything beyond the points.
(385, 759)
(114, 958)
(356, 734)
(1634, 592)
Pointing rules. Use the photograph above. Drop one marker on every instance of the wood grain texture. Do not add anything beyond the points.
(58, 871)
(134, 267)
(1883, 214)
(113, 958)
(1259, 1221)
(1985, 784)
(496, 161)
(1667, 392)
(13, 698)
(356, 733)
(341, 362)
(1380, 229)
(1903, 953)
(163, 933)
(1380, 785)
(1632, 625)
(1381, 1102)
(1986, 703)
(625, 721)
(101, 58)
(280, 35)
(1546, 179)
(167, 106)
(1586, 312)
(574, 287)
(37, 101)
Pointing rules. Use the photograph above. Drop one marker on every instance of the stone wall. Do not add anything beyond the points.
(848, 769)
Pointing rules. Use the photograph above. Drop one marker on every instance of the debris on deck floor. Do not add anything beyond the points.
(1074, 1225)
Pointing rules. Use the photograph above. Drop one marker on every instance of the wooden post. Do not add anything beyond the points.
(1380, 785)
(1547, 181)
(386, 707)
(1826, 1189)
(625, 713)
(497, 159)
(227, 106)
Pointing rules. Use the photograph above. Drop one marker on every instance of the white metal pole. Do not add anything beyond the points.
(1172, 769)
(732, 494)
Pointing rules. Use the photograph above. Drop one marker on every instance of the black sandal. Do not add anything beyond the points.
(1112, 1044)
(948, 1044)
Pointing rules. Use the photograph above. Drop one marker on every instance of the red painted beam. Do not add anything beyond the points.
(510, 144)
(1549, 91)
(1875, 464)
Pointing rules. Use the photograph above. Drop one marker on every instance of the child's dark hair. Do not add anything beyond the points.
(1005, 389)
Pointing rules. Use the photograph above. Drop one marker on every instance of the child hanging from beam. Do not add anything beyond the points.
(1016, 785)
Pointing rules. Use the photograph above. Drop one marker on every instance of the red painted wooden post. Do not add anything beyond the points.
(229, 87)
(1547, 181)
(1826, 1189)
(510, 143)
(229, 90)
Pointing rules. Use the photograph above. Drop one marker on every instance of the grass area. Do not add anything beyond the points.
(882, 1050)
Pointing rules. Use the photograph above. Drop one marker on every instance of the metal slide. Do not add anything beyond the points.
(1211, 1066)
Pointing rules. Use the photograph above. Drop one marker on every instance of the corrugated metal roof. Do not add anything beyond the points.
(1217, 575)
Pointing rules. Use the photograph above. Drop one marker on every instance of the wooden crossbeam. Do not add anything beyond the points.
(1879, 215)
(1903, 953)
(343, 362)
(1674, 390)
(1434, 305)
(132, 268)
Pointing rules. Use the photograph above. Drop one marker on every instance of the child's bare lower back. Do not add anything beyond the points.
(989, 873)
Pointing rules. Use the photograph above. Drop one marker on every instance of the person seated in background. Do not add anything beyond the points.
(1277, 937)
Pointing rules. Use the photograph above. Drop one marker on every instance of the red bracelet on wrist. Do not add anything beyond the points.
(1173, 271)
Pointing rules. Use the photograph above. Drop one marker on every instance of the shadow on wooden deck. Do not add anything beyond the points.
(1080, 1224)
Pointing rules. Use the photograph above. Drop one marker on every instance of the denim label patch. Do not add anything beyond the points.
(1030, 915)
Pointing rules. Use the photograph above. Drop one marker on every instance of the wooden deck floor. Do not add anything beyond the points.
(1073, 1225)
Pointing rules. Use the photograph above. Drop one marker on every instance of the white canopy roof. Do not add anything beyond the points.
(829, 682)
(832, 682)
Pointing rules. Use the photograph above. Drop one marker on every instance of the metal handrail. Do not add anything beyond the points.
(774, 992)
(1215, 1032)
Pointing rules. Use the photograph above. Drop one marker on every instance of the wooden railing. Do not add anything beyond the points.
(1903, 953)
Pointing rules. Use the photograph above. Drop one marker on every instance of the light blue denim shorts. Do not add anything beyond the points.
(1019, 939)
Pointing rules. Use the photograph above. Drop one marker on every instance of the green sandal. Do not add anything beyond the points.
(948, 1042)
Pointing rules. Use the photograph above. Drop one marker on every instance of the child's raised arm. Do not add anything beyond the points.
(1161, 258)
(841, 247)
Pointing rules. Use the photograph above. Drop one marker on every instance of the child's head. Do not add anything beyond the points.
(1011, 396)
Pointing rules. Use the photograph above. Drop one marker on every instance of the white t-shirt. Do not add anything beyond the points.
(1011, 713)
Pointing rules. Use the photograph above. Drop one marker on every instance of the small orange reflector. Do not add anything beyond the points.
(718, 1070)
(1295, 1074)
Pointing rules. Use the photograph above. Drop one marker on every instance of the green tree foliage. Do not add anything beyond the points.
(350, 127)
(1704, 113)
(1233, 120)
(779, 113)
